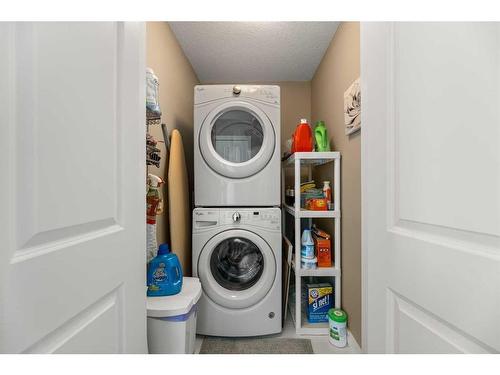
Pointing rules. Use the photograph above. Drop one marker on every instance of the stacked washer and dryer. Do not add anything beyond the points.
(237, 219)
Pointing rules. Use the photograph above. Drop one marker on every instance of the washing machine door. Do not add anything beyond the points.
(237, 139)
(237, 268)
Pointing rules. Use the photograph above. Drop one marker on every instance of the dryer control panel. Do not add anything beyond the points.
(266, 93)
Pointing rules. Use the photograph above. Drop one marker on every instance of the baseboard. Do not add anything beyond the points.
(353, 343)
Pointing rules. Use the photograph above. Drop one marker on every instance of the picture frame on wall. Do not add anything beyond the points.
(352, 108)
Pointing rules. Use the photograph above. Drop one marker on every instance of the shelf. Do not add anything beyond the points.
(313, 328)
(296, 162)
(312, 158)
(310, 213)
(320, 271)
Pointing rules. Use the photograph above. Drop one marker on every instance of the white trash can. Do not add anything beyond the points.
(172, 320)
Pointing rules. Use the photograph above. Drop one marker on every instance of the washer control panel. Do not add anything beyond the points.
(269, 218)
(265, 218)
(205, 218)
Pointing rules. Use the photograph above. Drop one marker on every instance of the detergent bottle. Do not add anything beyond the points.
(152, 102)
(321, 137)
(302, 138)
(153, 208)
(164, 273)
(327, 191)
(307, 248)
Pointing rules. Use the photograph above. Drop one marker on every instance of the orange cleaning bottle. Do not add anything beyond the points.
(302, 138)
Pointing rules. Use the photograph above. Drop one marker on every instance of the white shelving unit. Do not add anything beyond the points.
(309, 160)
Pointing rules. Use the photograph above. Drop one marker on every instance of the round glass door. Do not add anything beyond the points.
(236, 263)
(237, 139)
(237, 136)
(237, 268)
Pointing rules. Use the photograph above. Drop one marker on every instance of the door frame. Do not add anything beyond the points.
(367, 263)
(364, 237)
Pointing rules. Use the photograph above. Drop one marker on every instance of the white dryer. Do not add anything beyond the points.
(237, 145)
(237, 257)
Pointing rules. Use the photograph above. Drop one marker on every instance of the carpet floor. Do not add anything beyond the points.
(225, 345)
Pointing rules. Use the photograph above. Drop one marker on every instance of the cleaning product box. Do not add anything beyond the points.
(320, 300)
(323, 247)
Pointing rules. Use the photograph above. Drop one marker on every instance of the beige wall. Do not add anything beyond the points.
(177, 80)
(338, 69)
(295, 104)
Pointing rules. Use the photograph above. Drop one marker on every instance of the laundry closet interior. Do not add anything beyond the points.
(254, 150)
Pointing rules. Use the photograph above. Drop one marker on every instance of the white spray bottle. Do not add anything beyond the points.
(153, 208)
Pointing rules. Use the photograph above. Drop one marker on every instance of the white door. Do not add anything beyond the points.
(72, 169)
(431, 187)
(237, 139)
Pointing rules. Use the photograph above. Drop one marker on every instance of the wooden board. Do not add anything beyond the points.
(286, 271)
(178, 203)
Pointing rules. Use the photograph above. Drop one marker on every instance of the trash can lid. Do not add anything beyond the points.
(178, 304)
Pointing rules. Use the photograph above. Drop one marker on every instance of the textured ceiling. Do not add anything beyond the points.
(254, 51)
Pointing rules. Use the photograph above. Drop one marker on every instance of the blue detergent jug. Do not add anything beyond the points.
(164, 273)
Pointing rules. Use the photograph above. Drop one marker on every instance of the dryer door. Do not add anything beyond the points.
(237, 139)
(237, 269)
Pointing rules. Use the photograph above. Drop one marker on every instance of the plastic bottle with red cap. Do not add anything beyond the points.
(302, 138)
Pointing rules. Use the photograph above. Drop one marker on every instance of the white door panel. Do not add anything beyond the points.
(416, 331)
(447, 105)
(431, 199)
(73, 171)
(96, 329)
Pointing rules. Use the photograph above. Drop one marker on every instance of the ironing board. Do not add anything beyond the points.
(178, 203)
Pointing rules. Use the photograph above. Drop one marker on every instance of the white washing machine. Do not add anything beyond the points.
(237, 257)
(236, 145)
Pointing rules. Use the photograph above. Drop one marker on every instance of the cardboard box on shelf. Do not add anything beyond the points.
(323, 247)
(319, 301)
